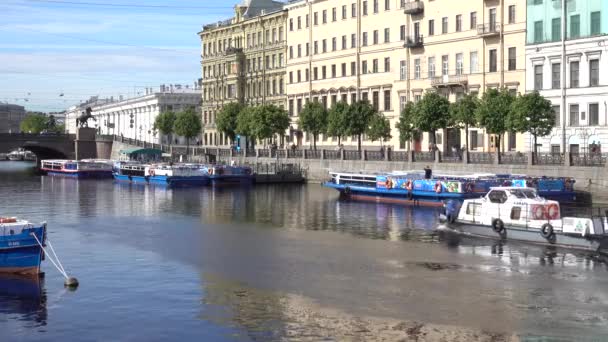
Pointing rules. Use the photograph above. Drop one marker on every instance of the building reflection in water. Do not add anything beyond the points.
(24, 297)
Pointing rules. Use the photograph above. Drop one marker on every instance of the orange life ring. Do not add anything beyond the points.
(151, 172)
(8, 220)
(388, 183)
(538, 212)
(553, 211)
(210, 170)
(438, 187)
(409, 185)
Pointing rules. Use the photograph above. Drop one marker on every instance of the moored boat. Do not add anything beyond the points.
(228, 175)
(20, 251)
(518, 213)
(178, 175)
(17, 155)
(89, 168)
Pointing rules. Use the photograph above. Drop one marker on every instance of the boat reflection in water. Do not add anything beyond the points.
(24, 297)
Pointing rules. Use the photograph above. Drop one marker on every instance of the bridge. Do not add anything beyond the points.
(51, 146)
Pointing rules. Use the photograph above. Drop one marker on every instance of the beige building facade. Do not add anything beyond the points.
(243, 60)
(393, 51)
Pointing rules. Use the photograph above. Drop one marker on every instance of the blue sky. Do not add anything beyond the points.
(108, 48)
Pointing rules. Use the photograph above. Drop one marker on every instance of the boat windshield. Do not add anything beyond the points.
(524, 193)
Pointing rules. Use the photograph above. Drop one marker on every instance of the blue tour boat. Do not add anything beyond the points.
(411, 187)
(179, 175)
(20, 252)
(86, 168)
(229, 175)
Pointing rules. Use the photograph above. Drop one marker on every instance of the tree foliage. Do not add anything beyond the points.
(379, 128)
(336, 120)
(432, 113)
(164, 123)
(33, 123)
(462, 114)
(226, 119)
(313, 119)
(357, 119)
(406, 124)
(188, 124)
(531, 113)
(262, 122)
(493, 112)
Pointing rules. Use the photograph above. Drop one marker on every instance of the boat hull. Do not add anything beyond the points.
(397, 196)
(590, 243)
(176, 181)
(221, 180)
(79, 174)
(20, 253)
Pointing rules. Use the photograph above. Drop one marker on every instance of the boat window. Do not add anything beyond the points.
(515, 213)
(523, 193)
(474, 209)
(497, 196)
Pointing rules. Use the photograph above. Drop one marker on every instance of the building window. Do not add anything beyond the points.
(557, 115)
(324, 45)
(445, 65)
(538, 31)
(512, 59)
(431, 27)
(299, 76)
(307, 75)
(307, 21)
(574, 74)
(375, 65)
(474, 62)
(364, 7)
(387, 100)
(459, 64)
(594, 114)
(387, 64)
(353, 41)
(493, 64)
(353, 68)
(376, 100)
(594, 72)
(596, 27)
(291, 24)
(343, 69)
(431, 64)
(556, 29)
(316, 47)
(538, 77)
(473, 19)
(364, 67)
(315, 73)
(324, 72)
(333, 71)
(290, 108)
(512, 140)
(334, 44)
(574, 115)
(387, 5)
(334, 14)
(290, 52)
(307, 51)
(387, 35)
(376, 37)
(376, 6)
(402, 32)
(299, 23)
(444, 25)
(315, 18)
(575, 26)
(458, 23)
(556, 75)
(344, 12)
(417, 68)
(402, 70)
(364, 39)
(324, 17)
(512, 14)
(353, 10)
(343, 42)
(299, 50)
(291, 77)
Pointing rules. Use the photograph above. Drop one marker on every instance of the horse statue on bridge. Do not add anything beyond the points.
(83, 120)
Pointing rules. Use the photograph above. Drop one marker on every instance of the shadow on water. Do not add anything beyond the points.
(24, 298)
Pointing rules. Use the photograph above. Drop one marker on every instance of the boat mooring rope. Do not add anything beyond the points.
(69, 281)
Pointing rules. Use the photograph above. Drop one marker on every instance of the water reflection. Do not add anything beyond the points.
(23, 299)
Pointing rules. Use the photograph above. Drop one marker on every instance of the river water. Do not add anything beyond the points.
(281, 263)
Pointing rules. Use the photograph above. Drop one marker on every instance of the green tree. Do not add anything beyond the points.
(188, 124)
(313, 119)
(407, 130)
(262, 122)
(531, 113)
(33, 123)
(164, 123)
(357, 119)
(379, 128)
(462, 115)
(493, 112)
(431, 114)
(226, 119)
(336, 120)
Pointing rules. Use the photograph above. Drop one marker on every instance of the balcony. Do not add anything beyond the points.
(414, 7)
(449, 81)
(488, 29)
(414, 42)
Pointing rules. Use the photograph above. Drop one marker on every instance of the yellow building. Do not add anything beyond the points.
(243, 60)
(392, 51)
